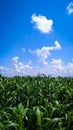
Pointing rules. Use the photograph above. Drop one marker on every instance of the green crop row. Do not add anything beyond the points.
(36, 103)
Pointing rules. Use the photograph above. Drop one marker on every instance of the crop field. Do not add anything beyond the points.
(36, 103)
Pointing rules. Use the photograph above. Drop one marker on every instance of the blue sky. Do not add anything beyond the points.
(36, 37)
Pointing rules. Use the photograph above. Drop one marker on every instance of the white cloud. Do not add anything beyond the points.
(70, 8)
(44, 52)
(42, 23)
(57, 45)
(58, 67)
(15, 59)
(55, 68)
(56, 61)
(4, 70)
(21, 68)
(70, 68)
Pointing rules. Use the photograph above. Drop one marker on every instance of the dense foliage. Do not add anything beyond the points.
(36, 103)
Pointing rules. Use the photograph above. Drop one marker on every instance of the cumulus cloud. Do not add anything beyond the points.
(55, 68)
(42, 23)
(3, 70)
(44, 52)
(57, 45)
(70, 8)
(69, 68)
(20, 67)
(58, 67)
(61, 69)
(56, 62)
(15, 59)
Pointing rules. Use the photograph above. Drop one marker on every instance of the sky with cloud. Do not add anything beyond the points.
(36, 36)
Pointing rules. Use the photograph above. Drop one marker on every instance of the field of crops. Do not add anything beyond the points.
(36, 103)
